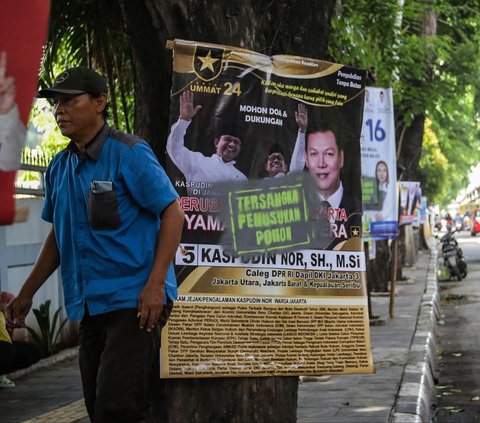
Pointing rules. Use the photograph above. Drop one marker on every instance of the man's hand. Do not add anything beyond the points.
(17, 310)
(301, 117)
(150, 306)
(7, 86)
(150, 300)
(187, 111)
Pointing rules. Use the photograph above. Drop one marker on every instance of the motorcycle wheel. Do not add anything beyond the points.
(457, 272)
(463, 268)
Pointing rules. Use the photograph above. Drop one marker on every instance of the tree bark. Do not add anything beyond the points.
(152, 73)
(411, 148)
(370, 275)
(410, 139)
(383, 263)
(400, 252)
(232, 400)
(423, 237)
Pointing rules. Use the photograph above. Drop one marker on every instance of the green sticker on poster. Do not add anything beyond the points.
(268, 217)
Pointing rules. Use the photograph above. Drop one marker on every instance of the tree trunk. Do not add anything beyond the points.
(383, 263)
(410, 139)
(298, 27)
(423, 236)
(400, 252)
(232, 400)
(378, 268)
(152, 73)
(370, 275)
(411, 148)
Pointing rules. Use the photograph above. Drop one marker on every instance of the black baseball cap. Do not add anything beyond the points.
(78, 80)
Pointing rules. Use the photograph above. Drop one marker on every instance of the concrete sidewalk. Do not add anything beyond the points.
(404, 354)
(400, 391)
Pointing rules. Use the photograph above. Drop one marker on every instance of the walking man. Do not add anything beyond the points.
(115, 227)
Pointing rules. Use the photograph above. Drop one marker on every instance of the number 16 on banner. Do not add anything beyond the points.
(375, 130)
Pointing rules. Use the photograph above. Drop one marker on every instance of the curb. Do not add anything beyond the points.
(414, 398)
(46, 362)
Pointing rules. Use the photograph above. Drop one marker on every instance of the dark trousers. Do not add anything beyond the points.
(119, 366)
(17, 355)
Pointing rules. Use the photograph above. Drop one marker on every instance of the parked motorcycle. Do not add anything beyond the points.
(459, 224)
(438, 222)
(452, 254)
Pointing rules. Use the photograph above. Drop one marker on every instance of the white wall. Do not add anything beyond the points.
(20, 244)
(34, 230)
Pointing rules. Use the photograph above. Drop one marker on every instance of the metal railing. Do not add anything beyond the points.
(33, 161)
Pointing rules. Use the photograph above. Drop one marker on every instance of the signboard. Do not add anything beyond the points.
(379, 166)
(423, 218)
(271, 277)
(410, 202)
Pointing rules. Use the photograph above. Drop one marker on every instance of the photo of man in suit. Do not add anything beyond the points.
(324, 159)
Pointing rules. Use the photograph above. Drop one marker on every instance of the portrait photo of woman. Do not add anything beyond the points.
(385, 192)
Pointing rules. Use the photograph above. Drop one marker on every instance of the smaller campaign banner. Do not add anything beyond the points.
(379, 166)
(424, 211)
(410, 202)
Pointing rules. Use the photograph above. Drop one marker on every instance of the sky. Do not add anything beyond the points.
(474, 178)
(474, 182)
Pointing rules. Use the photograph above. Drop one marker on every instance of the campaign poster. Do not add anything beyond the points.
(423, 211)
(265, 155)
(417, 206)
(379, 166)
(410, 202)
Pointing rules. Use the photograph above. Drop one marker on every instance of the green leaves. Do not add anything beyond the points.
(91, 33)
(428, 52)
(49, 334)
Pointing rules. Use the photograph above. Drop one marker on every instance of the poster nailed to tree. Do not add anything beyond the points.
(265, 154)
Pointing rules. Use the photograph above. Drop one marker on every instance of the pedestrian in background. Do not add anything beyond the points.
(14, 355)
